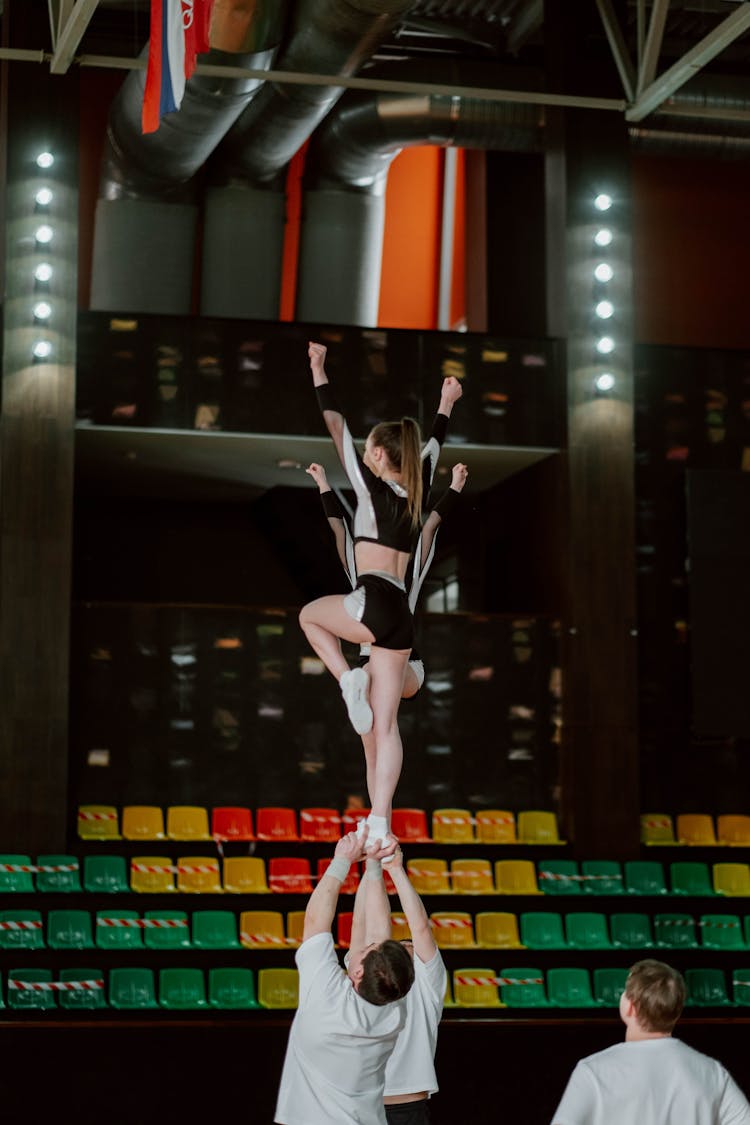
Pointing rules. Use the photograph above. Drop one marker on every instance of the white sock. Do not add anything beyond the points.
(378, 829)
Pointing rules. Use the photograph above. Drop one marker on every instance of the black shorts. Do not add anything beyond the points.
(408, 1113)
(383, 607)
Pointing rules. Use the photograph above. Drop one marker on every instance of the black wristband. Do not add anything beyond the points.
(327, 398)
(447, 502)
(332, 505)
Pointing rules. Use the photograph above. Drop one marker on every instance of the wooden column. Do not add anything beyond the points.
(36, 456)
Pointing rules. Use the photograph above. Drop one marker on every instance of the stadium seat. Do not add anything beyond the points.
(721, 931)
(262, 929)
(142, 822)
(245, 875)
(569, 988)
(410, 826)
(231, 988)
(657, 828)
(350, 884)
(472, 877)
(166, 937)
(706, 988)
(452, 929)
(609, 985)
(89, 999)
(452, 826)
(602, 877)
(344, 928)
(674, 931)
(690, 879)
(696, 829)
(323, 825)
(497, 930)
(732, 879)
(199, 882)
(97, 822)
(350, 818)
(542, 930)
(429, 876)
(733, 830)
(110, 935)
(214, 929)
(741, 986)
(232, 824)
(631, 931)
(153, 882)
(515, 877)
(58, 882)
(105, 874)
(496, 826)
(747, 930)
(475, 988)
(24, 999)
(587, 931)
(527, 995)
(538, 828)
(290, 875)
(132, 989)
(278, 988)
(295, 925)
(276, 824)
(69, 929)
(187, 822)
(12, 882)
(559, 877)
(400, 927)
(21, 929)
(182, 988)
(448, 1001)
(644, 878)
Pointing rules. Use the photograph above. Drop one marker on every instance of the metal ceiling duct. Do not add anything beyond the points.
(710, 116)
(146, 216)
(245, 205)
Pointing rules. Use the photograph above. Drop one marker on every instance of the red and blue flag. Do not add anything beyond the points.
(179, 33)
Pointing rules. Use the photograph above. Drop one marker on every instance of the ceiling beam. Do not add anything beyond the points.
(618, 47)
(652, 47)
(71, 34)
(59, 10)
(694, 60)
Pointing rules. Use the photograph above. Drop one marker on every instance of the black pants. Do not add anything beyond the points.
(408, 1113)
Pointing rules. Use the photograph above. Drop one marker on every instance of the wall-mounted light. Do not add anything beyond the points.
(44, 233)
(604, 309)
(604, 382)
(605, 345)
(603, 202)
(604, 272)
(42, 310)
(43, 271)
(603, 236)
(42, 349)
(44, 196)
(45, 160)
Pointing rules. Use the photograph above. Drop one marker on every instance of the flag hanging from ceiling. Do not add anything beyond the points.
(179, 32)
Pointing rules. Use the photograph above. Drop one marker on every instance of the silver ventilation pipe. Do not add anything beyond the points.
(146, 216)
(347, 169)
(245, 204)
(710, 116)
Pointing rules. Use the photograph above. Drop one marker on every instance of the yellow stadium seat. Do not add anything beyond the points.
(199, 875)
(142, 822)
(496, 826)
(452, 929)
(262, 929)
(186, 822)
(733, 830)
(472, 877)
(151, 874)
(496, 930)
(98, 822)
(696, 828)
(245, 875)
(475, 988)
(400, 927)
(538, 828)
(295, 926)
(515, 877)
(452, 826)
(657, 828)
(278, 988)
(732, 879)
(429, 876)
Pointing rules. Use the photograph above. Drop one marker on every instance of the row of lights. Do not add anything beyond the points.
(43, 235)
(604, 309)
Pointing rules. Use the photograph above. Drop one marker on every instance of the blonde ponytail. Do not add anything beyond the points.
(411, 468)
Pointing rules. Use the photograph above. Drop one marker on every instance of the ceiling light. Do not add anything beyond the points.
(42, 348)
(603, 202)
(605, 309)
(43, 271)
(45, 160)
(604, 272)
(605, 381)
(603, 237)
(44, 196)
(605, 345)
(44, 233)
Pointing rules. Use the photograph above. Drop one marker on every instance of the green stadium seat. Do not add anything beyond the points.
(644, 877)
(105, 874)
(559, 877)
(30, 936)
(111, 936)
(605, 877)
(131, 989)
(215, 929)
(182, 988)
(721, 931)
(587, 931)
(69, 929)
(609, 985)
(16, 881)
(690, 879)
(58, 882)
(569, 988)
(741, 986)
(232, 988)
(36, 1001)
(523, 995)
(171, 937)
(631, 931)
(706, 988)
(675, 931)
(83, 1000)
(542, 931)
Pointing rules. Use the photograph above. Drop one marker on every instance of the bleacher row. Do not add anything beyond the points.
(158, 874)
(695, 830)
(185, 988)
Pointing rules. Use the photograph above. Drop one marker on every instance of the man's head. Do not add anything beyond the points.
(653, 999)
(381, 972)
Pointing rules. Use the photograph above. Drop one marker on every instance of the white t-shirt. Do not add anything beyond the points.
(411, 1067)
(651, 1082)
(334, 1070)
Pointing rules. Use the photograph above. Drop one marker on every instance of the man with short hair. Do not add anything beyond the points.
(651, 1078)
(347, 1023)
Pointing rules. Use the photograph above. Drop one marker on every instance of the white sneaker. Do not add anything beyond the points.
(354, 686)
